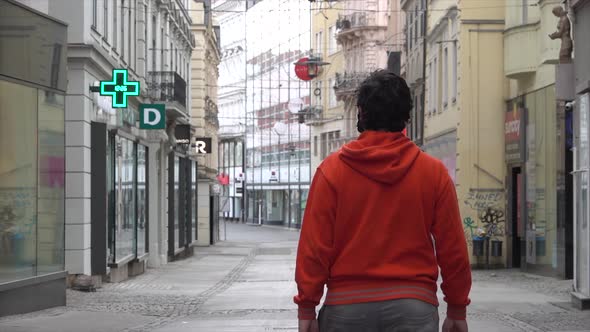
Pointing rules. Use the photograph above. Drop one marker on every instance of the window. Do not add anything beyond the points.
(115, 39)
(445, 78)
(131, 32)
(430, 88)
(105, 19)
(125, 194)
(333, 101)
(334, 141)
(436, 85)
(94, 13)
(315, 146)
(454, 77)
(323, 146)
(333, 43)
(142, 200)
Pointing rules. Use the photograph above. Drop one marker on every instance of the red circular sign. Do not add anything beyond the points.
(302, 69)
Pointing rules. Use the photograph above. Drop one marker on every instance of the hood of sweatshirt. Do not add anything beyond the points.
(381, 156)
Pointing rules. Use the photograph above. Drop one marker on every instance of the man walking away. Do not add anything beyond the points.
(381, 217)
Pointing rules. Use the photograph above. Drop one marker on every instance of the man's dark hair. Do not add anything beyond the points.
(384, 102)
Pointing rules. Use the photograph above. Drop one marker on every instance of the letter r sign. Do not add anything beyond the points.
(152, 116)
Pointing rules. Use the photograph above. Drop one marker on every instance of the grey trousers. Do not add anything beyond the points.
(403, 315)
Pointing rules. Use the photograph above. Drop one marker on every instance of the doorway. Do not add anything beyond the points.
(516, 228)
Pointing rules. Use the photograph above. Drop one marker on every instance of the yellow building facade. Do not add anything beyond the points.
(539, 160)
(464, 122)
(329, 126)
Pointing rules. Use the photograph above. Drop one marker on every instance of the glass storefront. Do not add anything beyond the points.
(127, 198)
(32, 140)
(582, 198)
(182, 204)
(194, 202)
(540, 178)
(142, 200)
(176, 194)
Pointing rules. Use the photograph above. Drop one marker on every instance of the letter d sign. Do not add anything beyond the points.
(152, 116)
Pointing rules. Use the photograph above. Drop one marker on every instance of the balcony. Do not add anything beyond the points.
(347, 83)
(520, 51)
(211, 112)
(169, 88)
(352, 26)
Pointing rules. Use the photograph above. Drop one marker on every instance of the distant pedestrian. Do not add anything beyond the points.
(381, 217)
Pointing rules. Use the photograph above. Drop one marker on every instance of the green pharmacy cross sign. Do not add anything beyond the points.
(119, 88)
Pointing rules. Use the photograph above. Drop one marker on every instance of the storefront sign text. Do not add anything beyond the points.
(152, 116)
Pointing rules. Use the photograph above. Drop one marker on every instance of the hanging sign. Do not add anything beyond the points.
(152, 116)
(119, 88)
(182, 132)
(203, 145)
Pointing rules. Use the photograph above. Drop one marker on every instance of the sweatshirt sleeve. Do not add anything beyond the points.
(314, 253)
(451, 251)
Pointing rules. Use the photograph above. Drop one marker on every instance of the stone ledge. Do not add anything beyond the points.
(580, 301)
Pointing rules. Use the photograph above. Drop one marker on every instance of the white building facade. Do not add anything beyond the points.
(277, 139)
(118, 197)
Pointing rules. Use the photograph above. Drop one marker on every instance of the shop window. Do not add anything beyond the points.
(142, 200)
(18, 181)
(51, 182)
(125, 198)
(176, 202)
(194, 200)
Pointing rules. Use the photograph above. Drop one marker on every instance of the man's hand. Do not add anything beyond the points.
(310, 326)
(451, 325)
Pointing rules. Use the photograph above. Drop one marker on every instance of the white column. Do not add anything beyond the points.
(79, 108)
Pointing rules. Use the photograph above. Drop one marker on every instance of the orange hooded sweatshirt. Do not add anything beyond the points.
(380, 216)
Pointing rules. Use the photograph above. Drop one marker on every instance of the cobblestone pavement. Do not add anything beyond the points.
(246, 284)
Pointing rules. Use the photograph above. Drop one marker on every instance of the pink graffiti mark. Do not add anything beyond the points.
(52, 171)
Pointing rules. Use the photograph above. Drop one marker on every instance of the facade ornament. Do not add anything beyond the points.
(564, 33)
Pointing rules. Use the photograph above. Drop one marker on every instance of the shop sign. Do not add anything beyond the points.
(152, 116)
(203, 145)
(513, 134)
(182, 132)
(119, 88)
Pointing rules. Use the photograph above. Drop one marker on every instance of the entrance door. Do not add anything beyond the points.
(515, 218)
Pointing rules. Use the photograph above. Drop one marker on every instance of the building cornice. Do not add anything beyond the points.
(451, 13)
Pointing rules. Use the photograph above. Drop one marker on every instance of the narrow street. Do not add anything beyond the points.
(246, 284)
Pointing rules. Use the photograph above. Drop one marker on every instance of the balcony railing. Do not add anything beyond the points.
(167, 86)
(349, 81)
(354, 20)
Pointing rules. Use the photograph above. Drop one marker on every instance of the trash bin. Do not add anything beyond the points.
(496, 248)
(478, 244)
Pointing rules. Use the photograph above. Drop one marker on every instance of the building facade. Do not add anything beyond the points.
(464, 47)
(361, 32)
(32, 159)
(232, 106)
(277, 139)
(414, 62)
(204, 114)
(329, 126)
(580, 18)
(537, 146)
(123, 207)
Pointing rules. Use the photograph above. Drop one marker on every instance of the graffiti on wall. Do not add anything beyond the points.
(487, 216)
